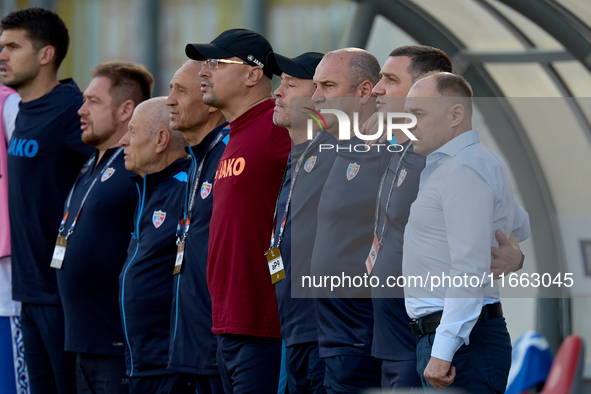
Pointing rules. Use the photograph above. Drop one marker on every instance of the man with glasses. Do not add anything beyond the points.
(237, 81)
(214, 63)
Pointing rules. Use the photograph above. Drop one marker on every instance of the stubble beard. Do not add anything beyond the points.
(93, 139)
(21, 79)
(212, 100)
(281, 121)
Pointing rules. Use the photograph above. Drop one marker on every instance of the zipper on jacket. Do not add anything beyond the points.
(137, 246)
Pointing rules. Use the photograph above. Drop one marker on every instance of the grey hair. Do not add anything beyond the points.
(363, 66)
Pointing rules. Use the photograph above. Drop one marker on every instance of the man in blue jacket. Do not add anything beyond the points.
(344, 218)
(96, 226)
(157, 155)
(44, 157)
(192, 343)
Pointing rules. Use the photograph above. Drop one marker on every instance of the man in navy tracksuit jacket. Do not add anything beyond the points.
(345, 224)
(97, 222)
(43, 159)
(305, 369)
(192, 343)
(158, 156)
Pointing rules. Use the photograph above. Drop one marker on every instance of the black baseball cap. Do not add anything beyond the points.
(248, 45)
(302, 66)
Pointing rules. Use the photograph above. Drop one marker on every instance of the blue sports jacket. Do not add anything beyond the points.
(145, 292)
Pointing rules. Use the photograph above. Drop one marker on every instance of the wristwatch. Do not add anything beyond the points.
(521, 262)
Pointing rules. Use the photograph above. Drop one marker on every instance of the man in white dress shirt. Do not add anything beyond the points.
(464, 196)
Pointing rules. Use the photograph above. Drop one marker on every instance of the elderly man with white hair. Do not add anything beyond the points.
(157, 155)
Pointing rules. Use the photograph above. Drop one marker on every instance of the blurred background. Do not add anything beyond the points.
(155, 33)
(529, 60)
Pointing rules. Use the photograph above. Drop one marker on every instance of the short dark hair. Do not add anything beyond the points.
(363, 66)
(424, 59)
(43, 26)
(129, 81)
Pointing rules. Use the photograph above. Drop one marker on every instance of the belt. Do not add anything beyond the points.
(428, 325)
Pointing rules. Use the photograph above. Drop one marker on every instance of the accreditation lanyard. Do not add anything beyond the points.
(189, 204)
(396, 175)
(377, 243)
(293, 181)
(59, 251)
(68, 201)
(273, 255)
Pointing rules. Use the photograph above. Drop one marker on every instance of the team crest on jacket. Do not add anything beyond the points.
(309, 165)
(158, 218)
(401, 177)
(107, 174)
(352, 170)
(205, 189)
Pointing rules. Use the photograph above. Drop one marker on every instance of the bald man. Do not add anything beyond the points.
(393, 342)
(464, 197)
(157, 155)
(206, 131)
(345, 224)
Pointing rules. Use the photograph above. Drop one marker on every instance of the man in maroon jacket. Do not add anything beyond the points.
(237, 81)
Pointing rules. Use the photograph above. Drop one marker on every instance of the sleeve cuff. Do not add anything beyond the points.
(444, 347)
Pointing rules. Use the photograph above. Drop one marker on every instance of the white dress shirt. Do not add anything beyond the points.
(464, 196)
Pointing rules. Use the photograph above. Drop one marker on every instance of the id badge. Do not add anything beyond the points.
(178, 264)
(275, 264)
(59, 253)
(370, 262)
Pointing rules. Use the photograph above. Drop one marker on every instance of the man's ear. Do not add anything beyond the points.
(46, 55)
(162, 139)
(254, 76)
(364, 91)
(457, 113)
(125, 111)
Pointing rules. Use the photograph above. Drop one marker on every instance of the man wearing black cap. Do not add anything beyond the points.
(295, 224)
(237, 81)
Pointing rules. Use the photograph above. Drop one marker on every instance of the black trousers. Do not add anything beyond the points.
(175, 383)
(249, 365)
(101, 374)
(51, 369)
